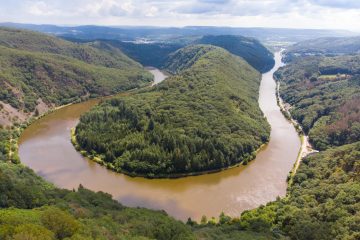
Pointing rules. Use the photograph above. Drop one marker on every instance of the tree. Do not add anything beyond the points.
(151, 125)
(31, 232)
(223, 218)
(203, 220)
(59, 222)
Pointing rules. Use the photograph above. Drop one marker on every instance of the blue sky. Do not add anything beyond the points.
(336, 14)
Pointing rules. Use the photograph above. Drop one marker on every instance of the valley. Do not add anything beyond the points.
(262, 180)
(220, 139)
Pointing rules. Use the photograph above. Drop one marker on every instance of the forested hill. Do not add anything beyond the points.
(250, 49)
(324, 93)
(156, 53)
(205, 118)
(37, 42)
(323, 200)
(39, 72)
(186, 57)
(31, 208)
(329, 46)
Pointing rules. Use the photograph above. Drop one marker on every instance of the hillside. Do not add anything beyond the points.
(157, 53)
(37, 42)
(205, 118)
(324, 95)
(39, 72)
(31, 208)
(324, 46)
(322, 199)
(249, 49)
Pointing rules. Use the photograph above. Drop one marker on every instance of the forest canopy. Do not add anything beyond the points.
(324, 94)
(250, 49)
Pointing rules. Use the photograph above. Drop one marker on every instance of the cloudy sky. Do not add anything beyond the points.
(336, 14)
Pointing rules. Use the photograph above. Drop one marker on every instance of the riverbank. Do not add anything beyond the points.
(306, 147)
(17, 129)
(98, 159)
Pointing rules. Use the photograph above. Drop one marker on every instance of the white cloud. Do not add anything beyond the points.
(268, 13)
(151, 12)
(101, 8)
(40, 8)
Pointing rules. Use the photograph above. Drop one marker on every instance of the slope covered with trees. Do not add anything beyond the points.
(324, 94)
(37, 42)
(39, 72)
(249, 49)
(204, 118)
(31, 208)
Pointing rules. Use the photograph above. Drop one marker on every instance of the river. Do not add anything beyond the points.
(46, 148)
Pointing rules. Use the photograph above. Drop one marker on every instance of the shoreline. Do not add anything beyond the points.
(18, 130)
(305, 147)
(97, 159)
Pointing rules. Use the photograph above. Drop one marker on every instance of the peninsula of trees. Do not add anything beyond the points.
(204, 118)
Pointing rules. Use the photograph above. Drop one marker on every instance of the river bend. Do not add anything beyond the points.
(46, 148)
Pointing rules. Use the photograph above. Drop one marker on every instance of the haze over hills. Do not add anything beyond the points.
(165, 33)
(329, 46)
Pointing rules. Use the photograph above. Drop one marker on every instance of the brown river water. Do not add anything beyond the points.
(46, 148)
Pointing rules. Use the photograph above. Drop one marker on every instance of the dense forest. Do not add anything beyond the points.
(39, 72)
(324, 94)
(204, 118)
(31, 208)
(249, 49)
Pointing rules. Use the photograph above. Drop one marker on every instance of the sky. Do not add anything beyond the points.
(328, 14)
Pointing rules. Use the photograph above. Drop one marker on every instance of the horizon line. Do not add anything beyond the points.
(185, 26)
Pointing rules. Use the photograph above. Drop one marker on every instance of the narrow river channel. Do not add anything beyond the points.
(45, 147)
